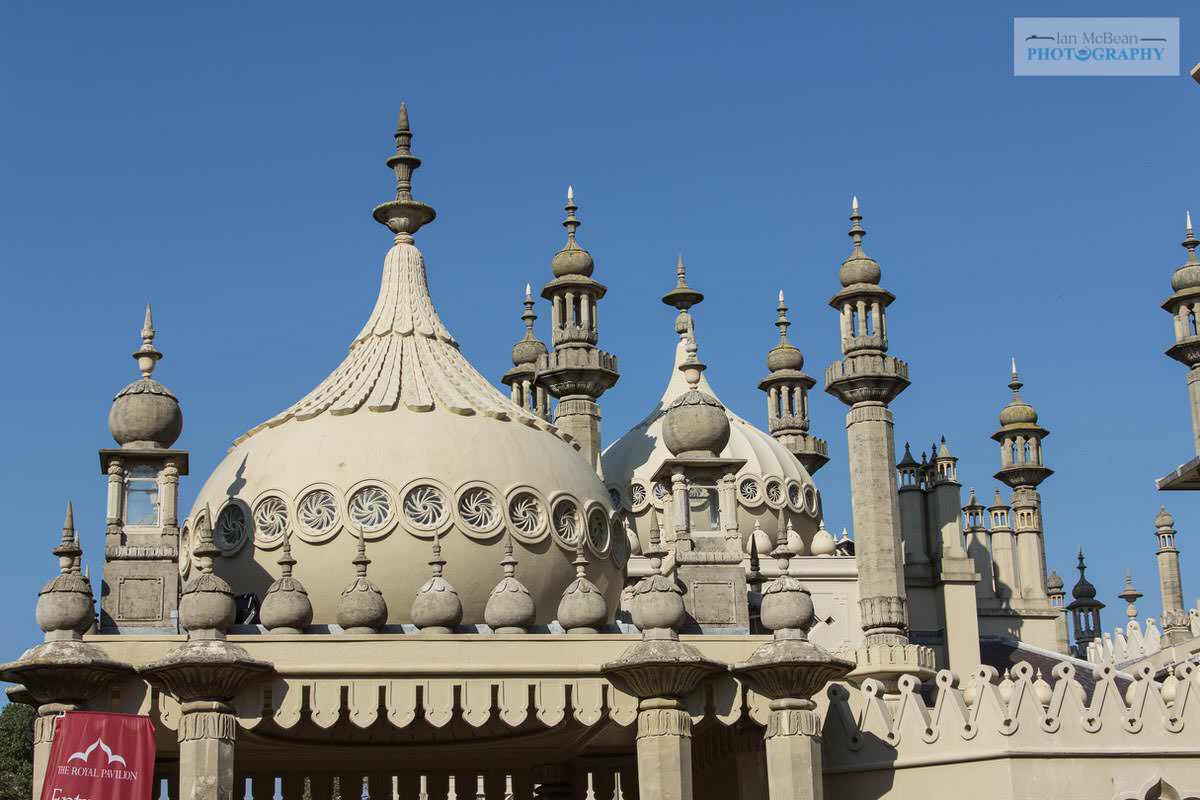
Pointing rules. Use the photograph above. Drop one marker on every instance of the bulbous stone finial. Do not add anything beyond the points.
(823, 543)
(529, 349)
(696, 424)
(510, 607)
(787, 607)
(361, 608)
(657, 606)
(582, 608)
(785, 355)
(571, 259)
(286, 607)
(145, 413)
(1017, 412)
(64, 605)
(206, 609)
(858, 266)
(1188, 275)
(437, 608)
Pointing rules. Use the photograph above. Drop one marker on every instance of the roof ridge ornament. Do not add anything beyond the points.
(403, 216)
(146, 355)
(682, 297)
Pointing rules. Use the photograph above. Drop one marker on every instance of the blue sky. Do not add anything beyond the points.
(222, 162)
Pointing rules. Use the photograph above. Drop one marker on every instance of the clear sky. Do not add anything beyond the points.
(223, 162)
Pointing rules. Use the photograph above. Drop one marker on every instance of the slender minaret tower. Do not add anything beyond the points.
(1003, 559)
(787, 388)
(1058, 601)
(1022, 469)
(975, 530)
(1184, 307)
(1170, 588)
(1085, 609)
(866, 380)
(522, 379)
(577, 372)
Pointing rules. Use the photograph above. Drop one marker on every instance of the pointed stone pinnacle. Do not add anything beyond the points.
(1188, 215)
(854, 203)
(148, 324)
(570, 193)
(402, 118)
(69, 521)
(528, 292)
(781, 297)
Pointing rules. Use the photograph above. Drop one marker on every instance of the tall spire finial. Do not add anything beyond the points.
(781, 322)
(361, 561)
(856, 229)
(68, 550)
(404, 215)
(146, 356)
(571, 223)
(528, 317)
(682, 297)
(286, 561)
(1014, 382)
(1189, 240)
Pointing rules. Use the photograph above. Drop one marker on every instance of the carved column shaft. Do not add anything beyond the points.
(207, 731)
(1193, 386)
(875, 510)
(664, 750)
(170, 497)
(116, 486)
(579, 416)
(793, 740)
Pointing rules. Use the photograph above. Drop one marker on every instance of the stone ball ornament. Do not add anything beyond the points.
(145, 414)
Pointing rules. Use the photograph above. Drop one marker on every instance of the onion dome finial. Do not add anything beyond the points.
(571, 259)
(1017, 412)
(784, 355)
(696, 424)
(1083, 589)
(657, 603)
(529, 349)
(582, 608)
(145, 414)
(1054, 582)
(858, 266)
(361, 608)
(1163, 518)
(1187, 276)
(206, 608)
(403, 216)
(437, 607)
(823, 543)
(64, 604)
(286, 607)
(510, 607)
(787, 607)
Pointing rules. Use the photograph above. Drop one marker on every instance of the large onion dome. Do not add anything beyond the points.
(405, 441)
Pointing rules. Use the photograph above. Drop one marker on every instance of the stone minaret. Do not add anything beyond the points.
(787, 388)
(975, 530)
(1022, 468)
(866, 380)
(141, 538)
(1184, 307)
(576, 373)
(1004, 562)
(1174, 616)
(1085, 610)
(522, 380)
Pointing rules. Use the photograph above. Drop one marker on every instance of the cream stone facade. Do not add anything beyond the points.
(408, 585)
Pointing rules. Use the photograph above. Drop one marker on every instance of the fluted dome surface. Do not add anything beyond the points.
(403, 441)
(770, 481)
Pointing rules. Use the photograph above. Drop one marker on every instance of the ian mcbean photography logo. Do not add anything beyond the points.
(1096, 46)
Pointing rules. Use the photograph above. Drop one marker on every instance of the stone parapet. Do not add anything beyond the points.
(866, 377)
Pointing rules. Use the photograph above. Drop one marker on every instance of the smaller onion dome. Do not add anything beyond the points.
(858, 266)
(1188, 275)
(657, 602)
(1083, 589)
(206, 608)
(759, 539)
(361, 607)
(823, 543)
(437, 607)
(795, 543)
(571, 259)
(785, 355)
(529, 349)
(582, 608)
(1017, 412)
(145, 413)
(510, 608)
(1054, 582)
(695, 424)
(286, 607)
(64, 605)
(1163, 518)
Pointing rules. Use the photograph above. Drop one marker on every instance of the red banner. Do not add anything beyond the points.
(99, 756)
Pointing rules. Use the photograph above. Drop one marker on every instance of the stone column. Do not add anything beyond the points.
(664, 750)
(207, 731)
(1031, 570)
(875, 511)
(43, 739)
(794, 751)
(1193, 387)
